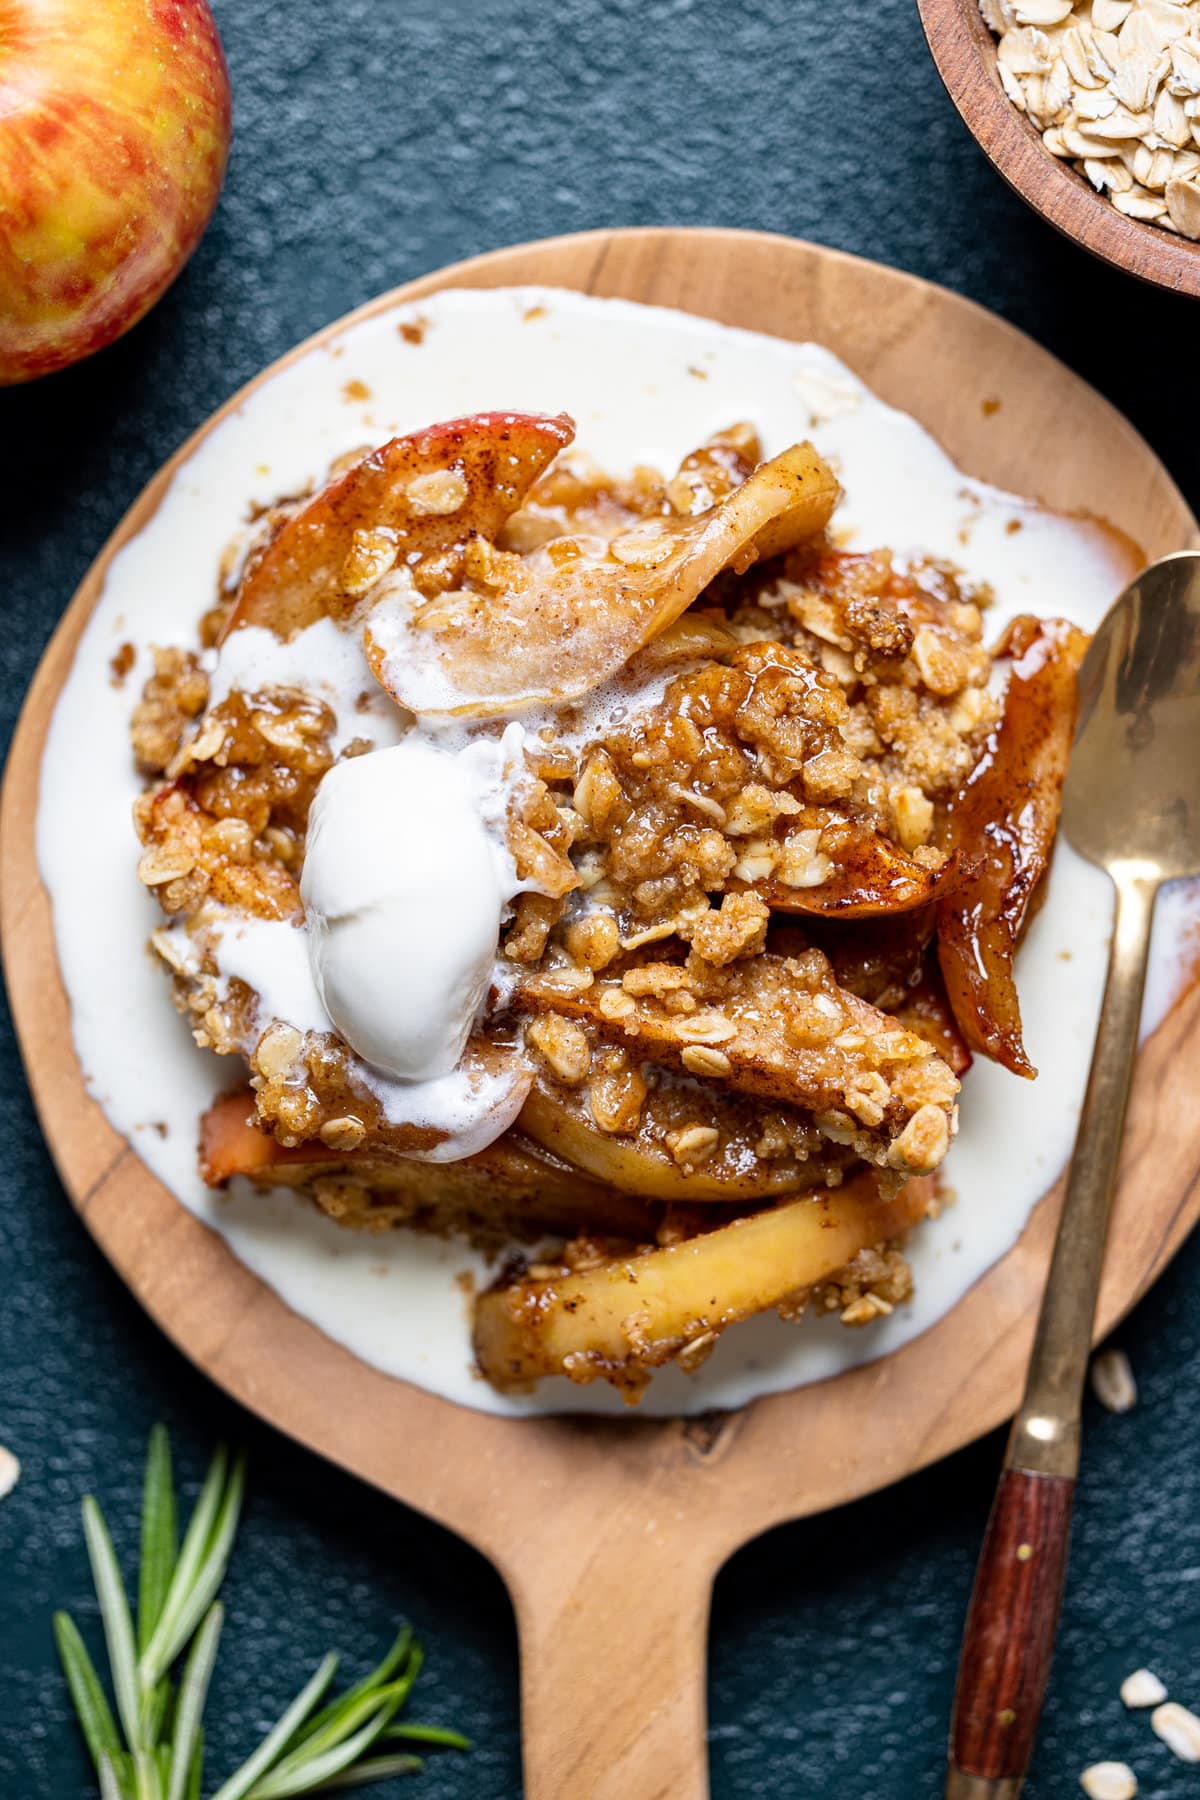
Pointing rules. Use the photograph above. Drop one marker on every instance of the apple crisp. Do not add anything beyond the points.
(756, 924)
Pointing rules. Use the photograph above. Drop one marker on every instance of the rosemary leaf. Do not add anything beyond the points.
(159, 1536)
(309, 1772)
(280, 1734)
(375, 1768)
(216, 1559)
(156, 1658)
(381, 1673)
(146, 1784)
(440, 1735)
(156, 1708)
(91, 1707)
(197, 1769)
(110, 1787)
(346, 1718)
(114, 1614)
(201, 1566)
(416, 1663)
(193, 1691)
(124, 1772)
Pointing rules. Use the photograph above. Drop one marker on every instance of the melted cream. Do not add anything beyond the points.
(324, 661)
(645, 385)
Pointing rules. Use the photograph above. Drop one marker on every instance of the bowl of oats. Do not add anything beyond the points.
(1090, 109)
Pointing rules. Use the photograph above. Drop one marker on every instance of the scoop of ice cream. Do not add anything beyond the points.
(406, 875)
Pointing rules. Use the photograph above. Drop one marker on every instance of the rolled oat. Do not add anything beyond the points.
(10, 1472)
(1142, 1688)
(1109, 1781)
(1112, 1381)
(1114, 87)
(1179, 1730)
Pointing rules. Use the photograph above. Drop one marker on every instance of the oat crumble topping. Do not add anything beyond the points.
(722, 982)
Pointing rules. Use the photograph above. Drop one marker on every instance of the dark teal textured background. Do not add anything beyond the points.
(378, 139)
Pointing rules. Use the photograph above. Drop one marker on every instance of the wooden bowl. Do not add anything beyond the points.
(609, 1532)
(965, 53)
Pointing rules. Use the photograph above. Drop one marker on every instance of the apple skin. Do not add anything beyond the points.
(114, 130)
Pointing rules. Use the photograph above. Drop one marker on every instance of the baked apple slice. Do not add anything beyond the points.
(413, 497)
(549, 627)
(576, 497)
(1009, 807)
(828, 864)
(689, 1141)
(512, 1185)
(626, 1315)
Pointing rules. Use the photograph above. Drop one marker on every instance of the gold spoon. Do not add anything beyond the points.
(1131, 804)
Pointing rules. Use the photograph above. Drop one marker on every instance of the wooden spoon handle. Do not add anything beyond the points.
(1009, 1637)
(613, 1670)
(1013, 1616)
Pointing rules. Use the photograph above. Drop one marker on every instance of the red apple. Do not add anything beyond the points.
(114, 128)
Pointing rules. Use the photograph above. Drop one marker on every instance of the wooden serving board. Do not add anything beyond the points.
(609, 1533)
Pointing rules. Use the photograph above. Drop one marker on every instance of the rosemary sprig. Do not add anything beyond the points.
(160, 1537)
(153, 1747)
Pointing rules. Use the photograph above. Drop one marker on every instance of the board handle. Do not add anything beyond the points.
(1009, 1637)
(613, 1637)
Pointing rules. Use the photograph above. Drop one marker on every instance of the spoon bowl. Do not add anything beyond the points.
(1132, 793)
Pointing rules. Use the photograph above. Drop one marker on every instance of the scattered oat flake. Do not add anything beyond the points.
(10, 1472)
(1179, 1730)
(1112, 1381)
(1142, 1688)
(1109, 1781)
